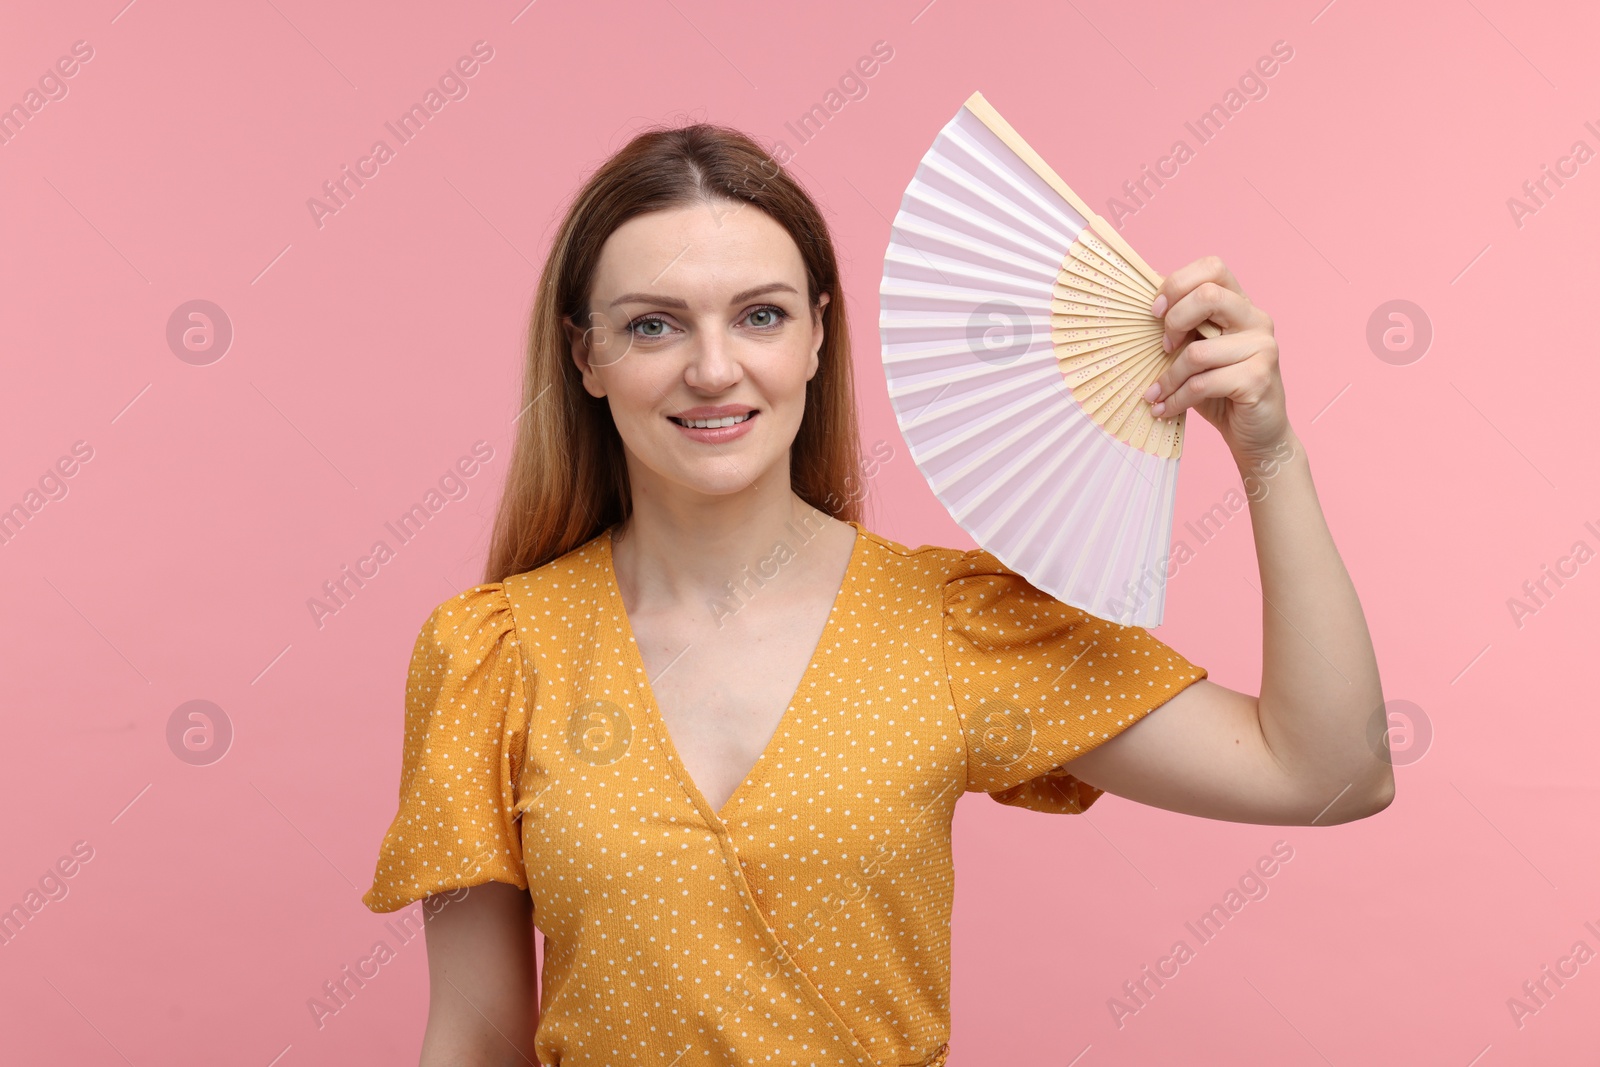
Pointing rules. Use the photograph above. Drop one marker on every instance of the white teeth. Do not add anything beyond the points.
(704, 424)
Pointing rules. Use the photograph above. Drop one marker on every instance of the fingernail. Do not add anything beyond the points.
(1166, 343)
(1158, 408)
(1153, 392)
(1159, 308)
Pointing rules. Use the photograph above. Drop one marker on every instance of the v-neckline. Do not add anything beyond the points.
(658, 721)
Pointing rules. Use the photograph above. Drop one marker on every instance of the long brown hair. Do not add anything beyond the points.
(568, 478)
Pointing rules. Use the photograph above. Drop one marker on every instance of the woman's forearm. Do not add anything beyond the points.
(1320, 691)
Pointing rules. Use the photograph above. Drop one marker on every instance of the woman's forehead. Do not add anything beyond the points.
(709, 249)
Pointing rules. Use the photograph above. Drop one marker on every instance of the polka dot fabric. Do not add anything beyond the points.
(465, 713)
(1037, 682)
(807, 922)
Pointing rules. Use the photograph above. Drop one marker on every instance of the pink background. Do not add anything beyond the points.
(372, 352)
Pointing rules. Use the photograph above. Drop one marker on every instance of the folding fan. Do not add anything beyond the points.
(1018, 343)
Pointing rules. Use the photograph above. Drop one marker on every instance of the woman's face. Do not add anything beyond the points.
(700, 312)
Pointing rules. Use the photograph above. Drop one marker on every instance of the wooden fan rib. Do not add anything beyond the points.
(1110, 304)
(1072, 352)
(1081, 369)
(1100, 343)
(1157, 435)
(1109, 384)
(1076, 289)
(1073, 282)
(1073, 287)
(1100, 340)
(1118, 266)
(1065, 316)
(1065, 301)
(1121, 282)
(1109, 362)
(1063, 320)
(1062, 308)
(1087, 264)
(1075, 347)
(1100, 394)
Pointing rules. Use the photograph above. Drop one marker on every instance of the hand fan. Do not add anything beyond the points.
(1017, 343)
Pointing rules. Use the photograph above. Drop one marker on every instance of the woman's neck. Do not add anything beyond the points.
(674, 555)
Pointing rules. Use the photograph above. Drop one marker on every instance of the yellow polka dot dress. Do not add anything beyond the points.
(808, 922)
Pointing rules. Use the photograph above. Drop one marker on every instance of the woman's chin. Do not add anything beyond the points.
(718, 476)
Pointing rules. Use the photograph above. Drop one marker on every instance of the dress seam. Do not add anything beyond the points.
(529, 678)
(949, 685)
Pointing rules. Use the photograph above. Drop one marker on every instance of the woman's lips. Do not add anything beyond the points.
(716, 435)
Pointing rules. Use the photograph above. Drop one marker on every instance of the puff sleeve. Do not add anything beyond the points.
(1037, 682)
(465, 719)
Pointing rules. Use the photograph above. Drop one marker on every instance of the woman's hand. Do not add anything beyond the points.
(1231, 379)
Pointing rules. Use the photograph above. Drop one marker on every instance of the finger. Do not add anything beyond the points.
(1207, 354)
(1208, 300)
(1180, 282)
(1194, 389)
(1241, 382)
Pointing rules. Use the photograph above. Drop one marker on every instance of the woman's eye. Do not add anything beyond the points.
(644, 327)
(774, 316)
(767, 317)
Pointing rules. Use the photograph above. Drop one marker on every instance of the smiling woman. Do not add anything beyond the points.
(734, 829)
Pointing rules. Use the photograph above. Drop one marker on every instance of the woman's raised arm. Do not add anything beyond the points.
(1302, 752)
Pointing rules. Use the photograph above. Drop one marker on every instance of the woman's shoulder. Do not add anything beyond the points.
(971, 587)
(937, 563)
(493, 612)
(549, 600)
(466, 626)
(533, 606)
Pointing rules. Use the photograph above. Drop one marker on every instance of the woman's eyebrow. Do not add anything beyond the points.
(674, 302)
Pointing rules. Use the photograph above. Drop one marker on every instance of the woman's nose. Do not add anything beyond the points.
(714, 364)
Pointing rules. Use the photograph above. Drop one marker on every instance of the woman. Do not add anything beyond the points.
(708, 732)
